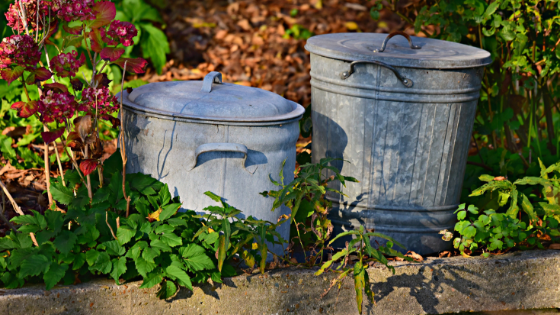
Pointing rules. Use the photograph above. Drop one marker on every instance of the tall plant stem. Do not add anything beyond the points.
(122, 147)
(294, 212)
(3, 216)
(59, 164)
(17, 209)
(47, 169)
(90, 194)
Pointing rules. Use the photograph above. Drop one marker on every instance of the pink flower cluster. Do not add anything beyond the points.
(118, 31)
(66, 65)
(106, 103)
(30, 6)
(73, 10)
(56, 106)
(19, 50)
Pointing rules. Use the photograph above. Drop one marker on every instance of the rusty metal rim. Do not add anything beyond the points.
(294, 115)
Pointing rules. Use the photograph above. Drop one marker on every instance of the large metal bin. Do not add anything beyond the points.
(400, 111)
(213, 136)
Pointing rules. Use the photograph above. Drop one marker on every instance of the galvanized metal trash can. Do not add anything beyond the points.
(400, 111)
(213, 136)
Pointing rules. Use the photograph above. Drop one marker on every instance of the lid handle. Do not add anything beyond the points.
(209, 79)
(394, 33)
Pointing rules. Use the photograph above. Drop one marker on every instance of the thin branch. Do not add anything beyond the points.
(122, 148)
(24, 17)
(109, 225)
(3, 217)
(16, 208)
(88, 185)
(47, 169)
(37, 26)
(59, 164)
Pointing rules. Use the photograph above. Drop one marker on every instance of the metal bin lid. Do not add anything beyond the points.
(212, 100)
(419, 52)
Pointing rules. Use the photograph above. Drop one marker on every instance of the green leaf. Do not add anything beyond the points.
(533, 181)
(144, 267)
(6, 147)
(119, 268)
(79, 261)
(527, 206)
(152, 280)
(461, 215)
(102, 263)
(150, 253)
(65, 241)
(136, 249)
(367, 287)
(171, 239)
(169, 211)
(125, 234)
(33, 266)
(155, 46)
(213, 196)
(513, 208)
(54, 275)
(359, 284)
(113, 248)
(164, 195)
(24, 219)
(222, 251)
(62, 194)
(469, 231)
(91, 256)
(167, 290)
(181, 276)
(491, 9)
(195, 257)
(157, 243)
(55, 220)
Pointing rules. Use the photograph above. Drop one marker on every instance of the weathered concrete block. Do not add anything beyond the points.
(517, 281)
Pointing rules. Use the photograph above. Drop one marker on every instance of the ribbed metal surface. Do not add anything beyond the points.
(407, 146)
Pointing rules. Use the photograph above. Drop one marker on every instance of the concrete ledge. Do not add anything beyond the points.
(522, 280)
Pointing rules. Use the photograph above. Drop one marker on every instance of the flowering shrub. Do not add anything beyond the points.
(118, 31)
(87, 25)
(66, 65)
(30, 6)
(74, 10)
(98, 101)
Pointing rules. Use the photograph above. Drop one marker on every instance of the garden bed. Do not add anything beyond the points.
(516, 281)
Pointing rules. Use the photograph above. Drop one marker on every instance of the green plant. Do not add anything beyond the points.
(298, 32)
(305, 196)
(153, 41)
(503, 225)
(156, 242)
(244, 237)
(365, 254)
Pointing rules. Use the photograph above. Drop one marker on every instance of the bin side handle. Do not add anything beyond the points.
(209, 79)
(220, 147)
(346, 74)
(391, 35)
